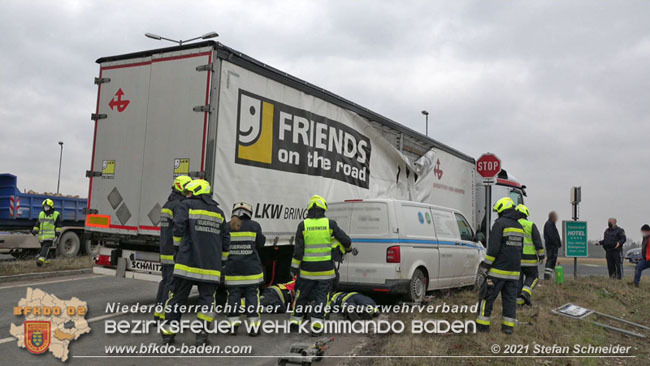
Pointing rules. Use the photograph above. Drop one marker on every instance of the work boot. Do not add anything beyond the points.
(40, 261)
(168, 339)
(528, 301)
(233, 330)
(481, 328)
(254, 333)
(506, 330)
(201, 338)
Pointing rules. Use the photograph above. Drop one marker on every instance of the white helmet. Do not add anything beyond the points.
(242, 209)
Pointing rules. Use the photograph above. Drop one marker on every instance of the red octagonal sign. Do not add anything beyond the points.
(488, 165)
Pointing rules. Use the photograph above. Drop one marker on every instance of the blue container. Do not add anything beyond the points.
(21, 209)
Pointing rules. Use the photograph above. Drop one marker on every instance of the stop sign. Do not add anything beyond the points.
(488, 165)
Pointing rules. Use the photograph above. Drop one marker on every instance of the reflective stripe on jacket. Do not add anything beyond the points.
(199, 223)
(504, 250)
(167, 246)
(48, 226)
(532, 244)
(243, 266)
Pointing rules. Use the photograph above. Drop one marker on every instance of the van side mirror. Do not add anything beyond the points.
(479, 237)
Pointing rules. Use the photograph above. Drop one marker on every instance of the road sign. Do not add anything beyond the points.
(574, 234)
(488, 166)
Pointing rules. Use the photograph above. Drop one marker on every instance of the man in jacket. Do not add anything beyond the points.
(532, 254)
(200, 230)
(312, 262)
(353, 305)
(243, 269)
(553, 243)
(278, 296)
(501, 268)
(48, 229)
(644, 263)
(168, 248)
(612, 242)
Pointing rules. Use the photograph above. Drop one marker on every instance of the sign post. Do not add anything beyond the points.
(488, 166)
(574, 233)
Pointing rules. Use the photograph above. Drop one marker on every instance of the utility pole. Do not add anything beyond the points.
(58, 182)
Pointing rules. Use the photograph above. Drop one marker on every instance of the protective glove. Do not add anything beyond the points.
(541, 258)
(33, 232)
(294, 271)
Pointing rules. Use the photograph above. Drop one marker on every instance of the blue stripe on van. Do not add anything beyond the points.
(413, 241)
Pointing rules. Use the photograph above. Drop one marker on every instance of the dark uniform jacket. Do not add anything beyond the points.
(299, 248)
(276, 297)
(167, 247)
(644, 247)
(241, 256)
(199, 226)
(551, 235)
(503, 257)
(613, 236)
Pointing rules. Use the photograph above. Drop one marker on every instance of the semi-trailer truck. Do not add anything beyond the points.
(258, 135)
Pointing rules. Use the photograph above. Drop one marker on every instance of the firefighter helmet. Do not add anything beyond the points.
(180, 182)
(523, 209)
(242, 208)
(317, 201)
(504, 204)
(48, 202)
(198, 187)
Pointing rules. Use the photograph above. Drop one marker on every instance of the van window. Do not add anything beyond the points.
(466, 232)
(361, 218)
(416, 222)
(445, 224)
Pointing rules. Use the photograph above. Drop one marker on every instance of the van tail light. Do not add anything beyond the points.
(393, 254)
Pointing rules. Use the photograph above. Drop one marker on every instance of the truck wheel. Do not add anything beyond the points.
(417, 287)
(68, 245)
(91, 247)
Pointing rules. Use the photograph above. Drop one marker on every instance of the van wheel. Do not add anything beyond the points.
(68, 245)
(417, 286)
(91, 247)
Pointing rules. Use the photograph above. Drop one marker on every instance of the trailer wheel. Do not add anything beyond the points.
(68, 245)
(417, 287)
(91, 247)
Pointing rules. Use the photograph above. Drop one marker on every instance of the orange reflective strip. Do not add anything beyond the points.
(98, 221)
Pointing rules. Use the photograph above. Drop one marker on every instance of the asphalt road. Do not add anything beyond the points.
(589, 268)
(89, 349)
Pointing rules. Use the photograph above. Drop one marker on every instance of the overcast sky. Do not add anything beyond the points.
(560, 90)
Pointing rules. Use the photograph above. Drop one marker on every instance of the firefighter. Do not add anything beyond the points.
(278, 296)
(200, 229)
(353, 305)
(48, 229)
(532, 255)
(168, 248)
(312, 263)
(242, 266)
(501, 267)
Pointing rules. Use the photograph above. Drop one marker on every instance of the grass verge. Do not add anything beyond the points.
(537, 326)
(58, 264)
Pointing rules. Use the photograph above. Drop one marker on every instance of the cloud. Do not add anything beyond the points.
(557, 89)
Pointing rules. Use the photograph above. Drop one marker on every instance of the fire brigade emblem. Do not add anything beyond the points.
(37, 336)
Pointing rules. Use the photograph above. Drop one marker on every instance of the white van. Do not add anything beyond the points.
(406, 247)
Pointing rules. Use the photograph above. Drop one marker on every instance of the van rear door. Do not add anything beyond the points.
(370, 231)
